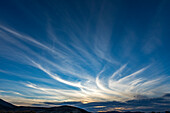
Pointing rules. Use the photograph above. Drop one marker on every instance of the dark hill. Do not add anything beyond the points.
(5, 107)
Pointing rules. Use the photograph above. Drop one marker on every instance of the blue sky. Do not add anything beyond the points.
(84, 51)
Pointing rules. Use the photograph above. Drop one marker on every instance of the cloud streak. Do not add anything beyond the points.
(89, 85)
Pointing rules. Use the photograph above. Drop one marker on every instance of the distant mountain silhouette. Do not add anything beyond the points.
(5, 107)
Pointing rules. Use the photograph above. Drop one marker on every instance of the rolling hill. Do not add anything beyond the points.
(6, 107)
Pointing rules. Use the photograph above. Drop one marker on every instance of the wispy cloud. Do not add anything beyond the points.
(146, 105)
(67, 66)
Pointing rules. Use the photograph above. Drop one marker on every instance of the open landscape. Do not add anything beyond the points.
(6, 107)
(80, 56)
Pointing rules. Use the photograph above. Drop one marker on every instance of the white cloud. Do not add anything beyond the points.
(64, 64)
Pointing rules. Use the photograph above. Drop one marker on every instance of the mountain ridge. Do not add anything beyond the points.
(8, 107)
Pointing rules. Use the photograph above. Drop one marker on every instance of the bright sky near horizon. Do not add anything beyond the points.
(84, 50)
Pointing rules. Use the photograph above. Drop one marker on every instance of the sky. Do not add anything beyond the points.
(100, 55)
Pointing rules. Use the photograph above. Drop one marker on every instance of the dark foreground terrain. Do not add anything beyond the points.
(6, 107)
